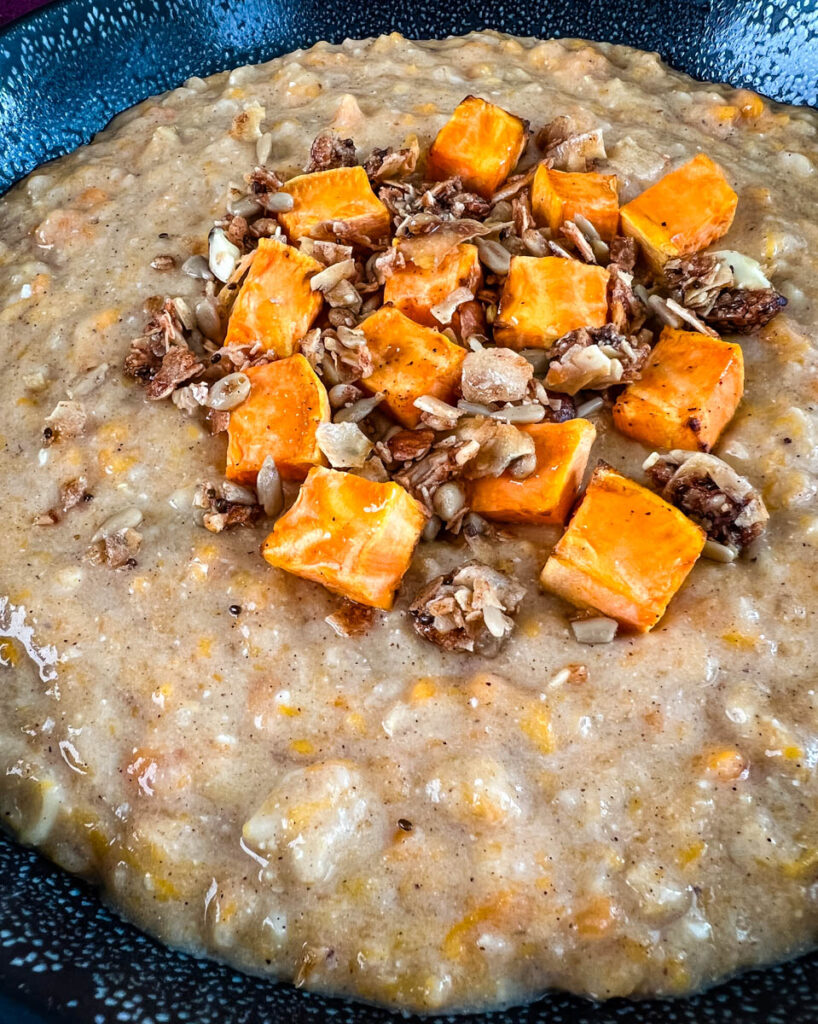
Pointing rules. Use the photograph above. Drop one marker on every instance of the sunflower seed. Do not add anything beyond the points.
(358, 410)
(268, 487)
(591, 406)
(279, 202)
(264, 145)
(208, 320)
(246, 207)
(493, 255)
(196, 266)
(125, 519)
(719, 552)
(229, 392)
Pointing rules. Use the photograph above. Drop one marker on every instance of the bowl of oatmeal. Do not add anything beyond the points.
(408, 592)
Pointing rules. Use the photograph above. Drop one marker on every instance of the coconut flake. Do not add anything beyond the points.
(326, 280)
(445, 310)
(223, 256)
(344, 444)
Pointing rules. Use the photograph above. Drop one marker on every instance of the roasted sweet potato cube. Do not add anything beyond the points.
(545, 297)
(625, 553)
(558, 196)
(275, 306)
(343, 195)
(415, 290)
(689, 390)
(353, 535)
(562, 451)
(409, 361)
(682, 213)
(480, 144)
(287, 402)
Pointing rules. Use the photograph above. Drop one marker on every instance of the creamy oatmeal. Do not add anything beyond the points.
(365, 802)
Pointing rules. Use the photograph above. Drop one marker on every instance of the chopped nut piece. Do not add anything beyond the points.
(219, 512)
(328, 253)
(246, 124)
(408, 445)
(178, 365)
(570, 231)
(468, 609)
(714, 287)
(695, 281)
(437, 414)
(72, 493)
(237, 230)
(116, 551)
(625, 310)
(67, 419)
(567, 147)
(712, 494)
(443, 462)
(340, 355)
(594, 359)
(163, 330)
(389, 163)
(264, 184)
(219, 420)
(329, 151)
(190, 398)
(745, 310)
(623, 253)
(351, 619)
(163, 262)
(417, 209)
(429, 249)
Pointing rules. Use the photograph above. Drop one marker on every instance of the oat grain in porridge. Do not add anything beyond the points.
(501, 353)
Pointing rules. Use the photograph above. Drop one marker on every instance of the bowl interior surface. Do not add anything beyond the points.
(66, 70)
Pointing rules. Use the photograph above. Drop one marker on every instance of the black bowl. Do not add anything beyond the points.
(66, 70)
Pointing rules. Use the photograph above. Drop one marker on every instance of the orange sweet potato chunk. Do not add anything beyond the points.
(340, 194)
(275, 306)
(409, 361)
(682, 213)
(558, 196)
(354, 536)
(287, 402)
(415, 290)
(480, 144)
(562, 451)
(625, 553)
(545, 297)
(689, 390)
